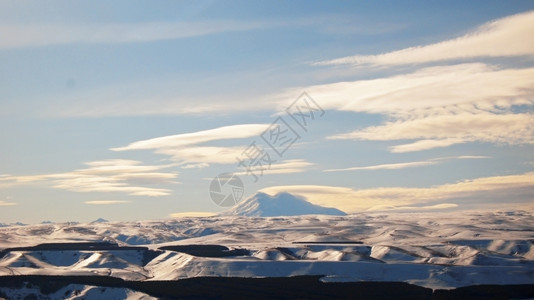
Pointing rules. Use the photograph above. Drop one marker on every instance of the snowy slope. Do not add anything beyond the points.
(433, 250)
(281, 204)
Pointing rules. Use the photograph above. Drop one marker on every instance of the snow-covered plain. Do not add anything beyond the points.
(436, 250)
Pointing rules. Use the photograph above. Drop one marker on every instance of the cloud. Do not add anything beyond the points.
(394, 166)
(36, 35)
(446, 130)
(506, 37)
(106, 202)
(415, 208)
(192, 214)
(425, 145)
(439, 106)
(4, 203)
(185, 148)
(517, 189)
(283, 167)
(471, 157)
(45, 34)
(195, 166)
(114, 175)
(186, 139)
(445, 105)
(471, 87)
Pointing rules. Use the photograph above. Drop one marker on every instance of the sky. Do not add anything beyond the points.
(128, 110)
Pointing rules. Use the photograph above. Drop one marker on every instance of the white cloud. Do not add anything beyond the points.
(125, 100)
(44, 34)
(185, 139)
(472, 87)
(114, 175)
(106, 202)
(445, 130)
(283, 167)
(394, 166)
(4, 203)
(415, 208)
(192, 214)
(509, 36)
(439, 106)
(35, 35)
(195, 166)
(471, 157)
(412, 164)
(516, 189)
(425, 145)
(445, 105)
(185, 148)
(202, 154)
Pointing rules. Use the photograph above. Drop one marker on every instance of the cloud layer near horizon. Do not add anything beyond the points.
(516, 189)
(106, 202)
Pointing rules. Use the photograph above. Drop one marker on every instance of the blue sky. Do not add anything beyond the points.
(127, 110)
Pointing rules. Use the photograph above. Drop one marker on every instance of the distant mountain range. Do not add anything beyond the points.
(12, 224)
(281, 204)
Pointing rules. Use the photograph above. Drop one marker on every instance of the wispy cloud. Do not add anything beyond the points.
(394, 166)
(421, 145)
(132, 99)
(4, 203)
(192, 214)
(114, 175)
(283, 167)
(412, 164)
(472, 87)
(445, 105)
(468, 157)
(439, 106)
(415, 208)
(195, 166)
(106, 202)
(44, 34)
(35, 35)
(186, 139)
(185, 148)
(517, 189)
(446, 130)
(510, 36)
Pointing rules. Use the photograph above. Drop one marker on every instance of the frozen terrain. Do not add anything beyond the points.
(433, 250)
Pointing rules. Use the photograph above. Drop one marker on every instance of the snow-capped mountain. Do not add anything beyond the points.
(281, 204)
(100, 220)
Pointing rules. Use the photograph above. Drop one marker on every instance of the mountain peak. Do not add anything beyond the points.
(281, 204)
(100, 220)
